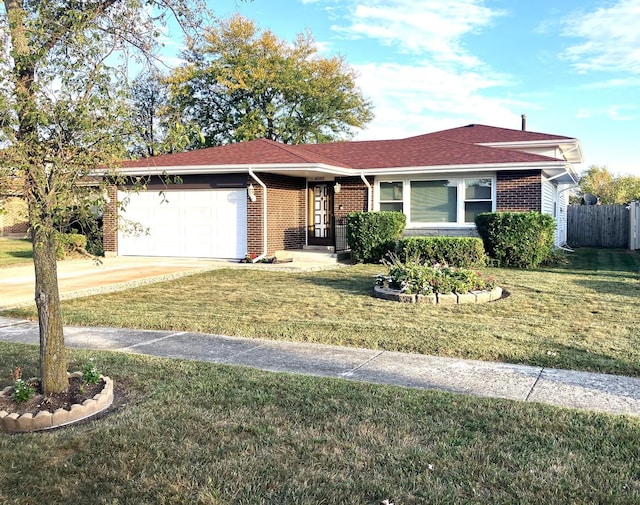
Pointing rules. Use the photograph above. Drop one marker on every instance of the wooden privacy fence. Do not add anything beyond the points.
(598, 226)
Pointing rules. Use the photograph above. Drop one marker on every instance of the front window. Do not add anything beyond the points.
(477, 198)
(453, 201)
(434, 201)
(391, 196)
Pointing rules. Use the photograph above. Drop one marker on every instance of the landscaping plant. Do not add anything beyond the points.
(371, 235)
(414, 277)
(517, 239)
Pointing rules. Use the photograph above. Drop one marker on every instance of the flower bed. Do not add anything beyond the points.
(413, 282)
(477, 296)
(45, 419)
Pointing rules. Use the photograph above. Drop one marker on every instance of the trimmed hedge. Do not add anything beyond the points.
(67, 243)
(463, 252)
(371, 235)
(517, 239)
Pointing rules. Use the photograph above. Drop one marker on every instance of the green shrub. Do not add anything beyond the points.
(372, 234)
(417, 278)
(68, 243)
(517, 239)
(467, 252)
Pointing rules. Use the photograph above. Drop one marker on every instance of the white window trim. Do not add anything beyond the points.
(458, 178)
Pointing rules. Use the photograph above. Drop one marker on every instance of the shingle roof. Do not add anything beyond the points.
(457, 146)
(483, 134)
(254, 152)
(420, 151)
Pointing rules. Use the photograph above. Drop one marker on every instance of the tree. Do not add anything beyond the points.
(241, 83)
(609, 189)
(157, 129)
(148, 97)
(62, 113)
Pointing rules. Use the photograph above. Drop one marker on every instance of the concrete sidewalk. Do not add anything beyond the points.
(581, 390)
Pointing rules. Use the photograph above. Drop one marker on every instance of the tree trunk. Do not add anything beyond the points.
(53, 361)
(41, 201)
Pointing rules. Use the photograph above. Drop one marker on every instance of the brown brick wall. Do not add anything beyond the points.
(519, 191)
(285, 214)
(352, 196)
(110, 223)
(14, 217)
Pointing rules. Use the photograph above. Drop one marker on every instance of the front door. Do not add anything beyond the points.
(320, 215)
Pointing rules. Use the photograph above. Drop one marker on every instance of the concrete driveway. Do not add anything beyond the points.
(84, 276)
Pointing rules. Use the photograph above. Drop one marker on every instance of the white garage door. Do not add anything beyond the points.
(197, 223)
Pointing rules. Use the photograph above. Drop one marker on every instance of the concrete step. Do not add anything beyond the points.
(308, 255)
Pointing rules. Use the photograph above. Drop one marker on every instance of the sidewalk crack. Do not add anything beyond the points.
(534, 384)
(152, 341)
(349, 373)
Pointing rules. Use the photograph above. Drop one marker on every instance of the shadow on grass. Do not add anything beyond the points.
(345, 281)
(20, 254)
(553, 354)
(629, 287)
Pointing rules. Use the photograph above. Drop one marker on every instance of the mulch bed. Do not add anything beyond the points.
(77, 393)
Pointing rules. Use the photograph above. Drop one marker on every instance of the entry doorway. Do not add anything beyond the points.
(320, 230)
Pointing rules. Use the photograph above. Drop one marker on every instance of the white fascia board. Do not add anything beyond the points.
(565, 145)
(227, 169)
(530, 143)
(465, 168)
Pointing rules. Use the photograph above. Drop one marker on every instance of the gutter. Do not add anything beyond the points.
(366, 182)
(264, 216)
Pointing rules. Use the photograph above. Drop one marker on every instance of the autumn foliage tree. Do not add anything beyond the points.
(610, 189)
(241, 83)
(62, 113)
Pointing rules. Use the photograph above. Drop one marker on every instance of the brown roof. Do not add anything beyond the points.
(457, 146)
(482, 134)
(420, 151)
(254, 152)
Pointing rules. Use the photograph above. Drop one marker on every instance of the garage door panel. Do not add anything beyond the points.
(211, 224)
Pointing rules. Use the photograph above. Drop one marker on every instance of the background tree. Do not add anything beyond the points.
(62, 113)
(148, 99)
(609, 189)
(241, 83)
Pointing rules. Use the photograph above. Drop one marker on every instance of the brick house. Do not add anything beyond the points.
(261, 196)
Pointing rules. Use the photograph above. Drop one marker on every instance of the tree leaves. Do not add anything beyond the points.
(241, 83)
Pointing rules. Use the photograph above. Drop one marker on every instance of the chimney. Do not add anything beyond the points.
(524, 122)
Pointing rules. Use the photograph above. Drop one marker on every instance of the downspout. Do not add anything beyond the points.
(264, 216)
(366, 182)
(564, 246)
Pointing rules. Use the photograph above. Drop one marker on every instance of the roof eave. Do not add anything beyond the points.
(477, 167)
(278, 168)
(570, 147)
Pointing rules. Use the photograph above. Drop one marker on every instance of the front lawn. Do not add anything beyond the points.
(15, 252)
(193, 432)
(584, 315)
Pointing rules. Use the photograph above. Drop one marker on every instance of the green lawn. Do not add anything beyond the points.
(15, 252)
(200, 433)
(583, 315)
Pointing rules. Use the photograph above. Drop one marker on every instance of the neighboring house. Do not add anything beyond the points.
(14, 220)
(262, 196)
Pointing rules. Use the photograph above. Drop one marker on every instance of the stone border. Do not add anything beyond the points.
(45, 420)
(438, 299)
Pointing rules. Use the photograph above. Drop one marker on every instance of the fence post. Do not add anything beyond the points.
(634, 225)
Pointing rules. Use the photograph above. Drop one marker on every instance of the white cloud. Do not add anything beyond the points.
(626, 82)
(614, 112)
(429, 26)
(414, 99)
(611, 38)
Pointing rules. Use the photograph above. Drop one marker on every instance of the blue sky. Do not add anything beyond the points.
(573, 67)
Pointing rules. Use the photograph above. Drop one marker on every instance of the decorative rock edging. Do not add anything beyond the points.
(44, 420)
(438, 298)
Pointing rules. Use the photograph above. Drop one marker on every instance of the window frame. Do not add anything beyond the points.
(460, 182)
(401, 200)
